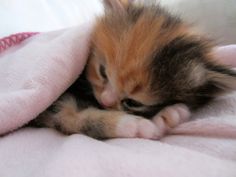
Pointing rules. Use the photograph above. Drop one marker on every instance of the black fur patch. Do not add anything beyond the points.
(82, 91)
(171, 67)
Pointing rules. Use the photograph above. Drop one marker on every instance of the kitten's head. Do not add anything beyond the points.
(143, 59)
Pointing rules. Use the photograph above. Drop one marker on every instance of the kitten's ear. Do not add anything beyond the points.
(222, 77)
(119, 6)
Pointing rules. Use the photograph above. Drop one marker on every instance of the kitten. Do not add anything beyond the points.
(146, 72)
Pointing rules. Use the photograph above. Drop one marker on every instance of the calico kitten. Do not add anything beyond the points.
(146, 71)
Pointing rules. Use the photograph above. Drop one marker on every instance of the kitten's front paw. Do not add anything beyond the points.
(131, 126)
(171, 116)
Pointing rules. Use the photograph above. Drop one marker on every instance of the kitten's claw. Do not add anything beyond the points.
(171, 116)
(131, 126)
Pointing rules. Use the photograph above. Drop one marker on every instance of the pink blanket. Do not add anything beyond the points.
(36, 71)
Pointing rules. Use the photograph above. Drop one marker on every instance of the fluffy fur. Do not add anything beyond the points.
(144, 63)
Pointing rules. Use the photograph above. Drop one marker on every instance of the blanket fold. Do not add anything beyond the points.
(36, 71)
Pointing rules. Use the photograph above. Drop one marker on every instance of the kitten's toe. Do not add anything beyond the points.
(183, 111)
(147, 130)
(131, 126)
(172, 116)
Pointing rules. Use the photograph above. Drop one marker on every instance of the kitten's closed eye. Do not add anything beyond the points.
(103, 72)
(130, 103)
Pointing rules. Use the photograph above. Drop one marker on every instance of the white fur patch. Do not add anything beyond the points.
(131, 126)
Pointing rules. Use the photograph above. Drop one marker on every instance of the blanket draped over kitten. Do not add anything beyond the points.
(146, 72)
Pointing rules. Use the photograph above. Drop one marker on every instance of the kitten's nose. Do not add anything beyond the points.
(108, 96)
(107, 99)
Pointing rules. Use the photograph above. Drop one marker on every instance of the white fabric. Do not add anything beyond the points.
(46, 153)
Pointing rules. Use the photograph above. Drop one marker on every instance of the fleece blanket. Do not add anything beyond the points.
(36, 70)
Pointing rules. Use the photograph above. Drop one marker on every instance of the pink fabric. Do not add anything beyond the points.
(35, 72)
(14, 39)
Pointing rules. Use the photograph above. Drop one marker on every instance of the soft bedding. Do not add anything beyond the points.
(37, 70)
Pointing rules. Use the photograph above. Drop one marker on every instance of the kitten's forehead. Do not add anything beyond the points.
(136, 34)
